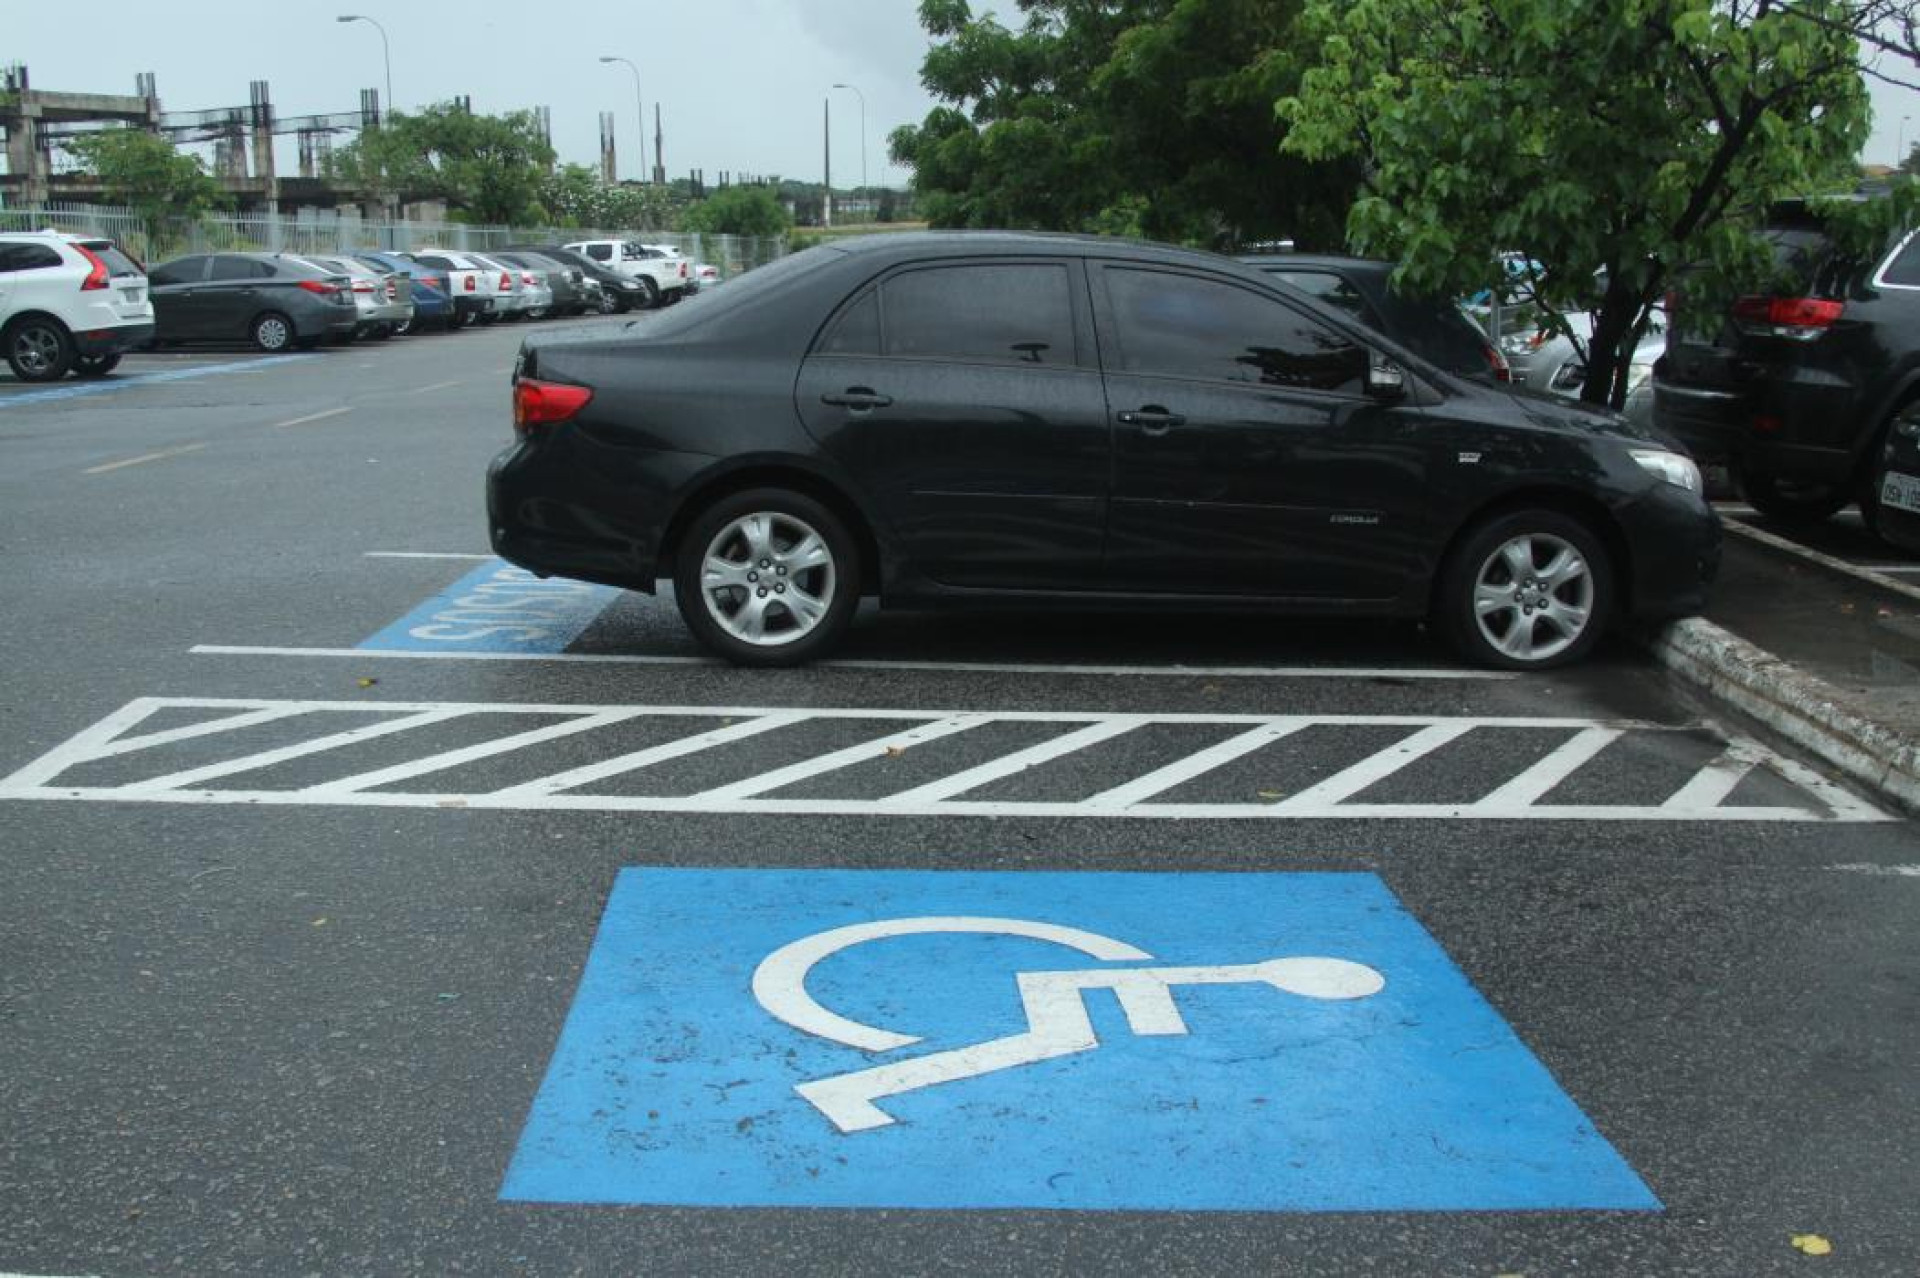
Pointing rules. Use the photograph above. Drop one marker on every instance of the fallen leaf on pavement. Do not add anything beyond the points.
(894, 752)
(1813, 1244)
(1272, 794)
(368, 683)
(319, 922)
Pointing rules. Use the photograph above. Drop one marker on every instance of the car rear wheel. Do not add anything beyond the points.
(650, 293)
(95, 365)
(39, 350)
(1791, 501)
(1529, 590)
(767, 577)
(273, 332)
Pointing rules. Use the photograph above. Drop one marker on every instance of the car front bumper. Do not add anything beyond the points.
(1673, 552)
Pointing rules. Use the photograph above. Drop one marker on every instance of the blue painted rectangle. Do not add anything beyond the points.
(114, 385)
(498, 608)
(672, 1083)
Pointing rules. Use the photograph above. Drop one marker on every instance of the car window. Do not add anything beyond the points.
(600, 252)
(28, 257)
(1904, 270)
(857, 331)
(1004, 314)
(1186, 326)
(1333, 290)
(118, 263)
(185, 270)
(240, 268)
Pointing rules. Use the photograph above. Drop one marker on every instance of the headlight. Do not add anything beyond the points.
(1637, 375)
(1518, 344)
(1671, 467)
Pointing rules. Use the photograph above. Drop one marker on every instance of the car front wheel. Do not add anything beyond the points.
(1529, 590)
(767, 577)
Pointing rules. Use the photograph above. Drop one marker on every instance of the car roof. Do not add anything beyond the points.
(1316, 261)
(1001, 243)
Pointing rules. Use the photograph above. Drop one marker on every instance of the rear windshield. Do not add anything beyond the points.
(118, 263)
(1437, 331)
(1806, 264)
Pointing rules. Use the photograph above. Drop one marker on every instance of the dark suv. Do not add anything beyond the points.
(1797, 390)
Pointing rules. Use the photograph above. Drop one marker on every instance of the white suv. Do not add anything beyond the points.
(656, 274)
(69, 303)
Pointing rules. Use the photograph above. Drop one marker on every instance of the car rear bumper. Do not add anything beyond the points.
(1800, 427)
(111, 341)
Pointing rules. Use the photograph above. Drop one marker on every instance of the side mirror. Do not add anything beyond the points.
(1386, 379)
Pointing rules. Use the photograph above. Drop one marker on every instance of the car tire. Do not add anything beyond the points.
(401, 329)
(381, 332)
(39, 349)
(95, 365)
(1495, 614)
(804, 551)
(1790, 501)
(611, 305)
(649, 294)
(272, 332)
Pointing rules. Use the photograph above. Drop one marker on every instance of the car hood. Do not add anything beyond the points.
(1558, 413)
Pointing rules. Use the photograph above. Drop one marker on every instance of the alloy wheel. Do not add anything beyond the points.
(768, 578)
(271, 333)
(36, 350)
(1533, 597)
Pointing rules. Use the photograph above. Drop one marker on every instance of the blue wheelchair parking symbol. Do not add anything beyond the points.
(1043, 1040)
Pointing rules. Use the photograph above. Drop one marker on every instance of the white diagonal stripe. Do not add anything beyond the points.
(1373, 769)
(468, 754)
(1573, 754)
(576, 777)
(1720, 777)
(864, 752)
(1018, 761)
(267, 758)
(1180, 771)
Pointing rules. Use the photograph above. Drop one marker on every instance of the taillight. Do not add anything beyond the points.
(317, 286)
(527, 278)
(362, 286)
(431, 281)
(97, 277)
(1798, 319)
(1496, 363)
(506, 281)
(683, 270)
(473, 283)
(538, 403)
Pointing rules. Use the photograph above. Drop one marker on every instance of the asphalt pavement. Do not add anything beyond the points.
(332, 943)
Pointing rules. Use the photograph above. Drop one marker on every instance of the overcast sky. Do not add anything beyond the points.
(740, 82)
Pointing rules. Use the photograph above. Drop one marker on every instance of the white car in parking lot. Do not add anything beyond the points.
(658, 274)
(69, 303)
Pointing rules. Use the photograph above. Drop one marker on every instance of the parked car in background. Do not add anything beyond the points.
(1797, 389)
(619, 292)
(648, 268)
(939, 418)
(386, 305)
(432, 304)
(565, 282)
(1361, 287)
(1557, 365)
(69, 303)
(678, 271)
(707, 275)
(518, 296)
(274, 300)
(475, 288)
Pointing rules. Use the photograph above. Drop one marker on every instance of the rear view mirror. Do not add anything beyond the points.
(1385, 379)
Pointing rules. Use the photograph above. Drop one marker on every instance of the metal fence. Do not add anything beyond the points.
(331, 231)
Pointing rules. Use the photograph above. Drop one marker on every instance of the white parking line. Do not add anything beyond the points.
(1828, 562)
(425, 554)
(1806, 796)
(142, 460)
(1887, 871)
(313, 417)
(959, 667)
(425, 390)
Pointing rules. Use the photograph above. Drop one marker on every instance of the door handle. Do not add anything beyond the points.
(858, 398)
(1152, 419)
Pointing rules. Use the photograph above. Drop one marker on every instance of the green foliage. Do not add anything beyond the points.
(1618, 141)
(739, 210)
(487, 167)
(1149, 117)
(144, 172)
(575, 196)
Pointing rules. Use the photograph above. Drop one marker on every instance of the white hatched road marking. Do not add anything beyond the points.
(1701, 798)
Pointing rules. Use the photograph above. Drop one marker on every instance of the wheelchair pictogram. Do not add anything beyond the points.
(1058, 1023)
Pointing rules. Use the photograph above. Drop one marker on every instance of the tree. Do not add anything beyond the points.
(144, 172)
(575, 195)
(1617, 141)
(1149, 117)
(739, 210)
(489, 167)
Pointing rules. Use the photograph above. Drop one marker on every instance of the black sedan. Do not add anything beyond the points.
(949, 418)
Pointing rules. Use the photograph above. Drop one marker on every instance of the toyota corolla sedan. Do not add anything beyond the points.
(947, 419)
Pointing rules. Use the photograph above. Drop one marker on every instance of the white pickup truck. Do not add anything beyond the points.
(662, 273)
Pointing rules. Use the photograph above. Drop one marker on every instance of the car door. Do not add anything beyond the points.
(233, 295)
(1248, 457)
(175, 289)
(964, 397)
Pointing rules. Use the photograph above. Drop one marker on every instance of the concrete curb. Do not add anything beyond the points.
(1798, 706)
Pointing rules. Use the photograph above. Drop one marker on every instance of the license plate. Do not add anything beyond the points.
(131, 294)
(1902, 492)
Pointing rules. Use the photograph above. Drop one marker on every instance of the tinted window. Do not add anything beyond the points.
(240, 268)
(430, 260)
(857, 331)
(1181, 326)
(27, 257)
(1904, 269)
(998, 314)
(118, 263)
(185, 270)
(1333, 290)
(600, 252)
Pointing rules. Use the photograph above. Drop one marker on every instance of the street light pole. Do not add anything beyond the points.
(863, 128)
(386, 51)
(640, 113)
